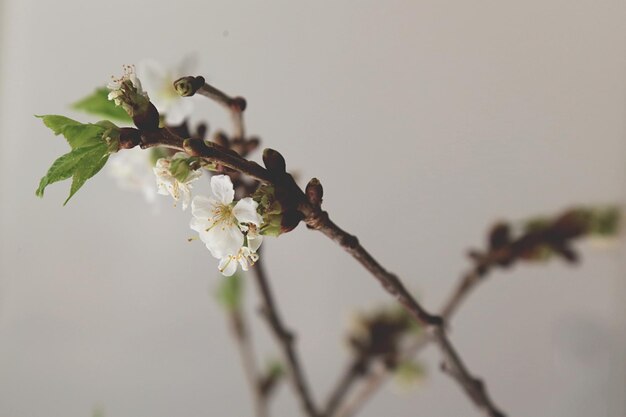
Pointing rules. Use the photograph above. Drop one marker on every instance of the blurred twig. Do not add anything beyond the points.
(285, 339)
(541, 239)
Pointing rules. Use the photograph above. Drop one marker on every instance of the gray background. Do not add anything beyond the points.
(425, 120)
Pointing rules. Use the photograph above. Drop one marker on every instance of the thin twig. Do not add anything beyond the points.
(503, 251)
(285, 339)
(457, 369)
(352, 374)
(375, 378)
(188, 86)
(241, 335)
(454, 366)
(372, 383)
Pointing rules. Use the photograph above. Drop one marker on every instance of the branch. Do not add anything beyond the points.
(454, 366)
(242, 338)
(315, 218)
(472, 386)
(188, 86)
(352, 374)
(554, 236)
(285, 339)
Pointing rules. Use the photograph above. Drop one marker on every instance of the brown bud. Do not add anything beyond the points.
(201, 130)
(221, 139)
(147, 119)
(187, 86)
(129, 137)
(314, 192)
(274, 161)
(499, 236)
(239, 104)
(252, 144)
(571, 224)
(197, 147)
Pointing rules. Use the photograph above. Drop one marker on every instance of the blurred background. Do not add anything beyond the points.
(426, 121)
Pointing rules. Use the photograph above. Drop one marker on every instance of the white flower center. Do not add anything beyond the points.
(222, 215)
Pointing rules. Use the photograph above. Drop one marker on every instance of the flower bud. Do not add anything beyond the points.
(252, 144)
(239, 104)
(314, 192)
(274, 161)
(499, 236)
(147, 117)
(572, 224)
(197, 147)
(188, 86)
(129, 137)
(221, 139)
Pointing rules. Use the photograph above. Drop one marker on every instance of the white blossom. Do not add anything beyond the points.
(245, 257)
(169, 184)
(132, 170)
(229, 230)
(159, 82)
(126, 91)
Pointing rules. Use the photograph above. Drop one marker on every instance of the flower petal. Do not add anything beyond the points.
(187, 65)
(254, 242)
(178, 110)
(152, 76)
(203, 207)
(223, 240)
(185, 195)
(200, 225)
(222, 188)
(227, 266)
(245, 211)
(243, 261)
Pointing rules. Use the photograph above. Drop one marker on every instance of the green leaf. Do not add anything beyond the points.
(80, 164)
(58, 123)
(77, 134)
(62, 169)
(87, 167)
(230, 291)
(98, 104)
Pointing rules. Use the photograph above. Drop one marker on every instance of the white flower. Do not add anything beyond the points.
(169, 184)
(229, 231)
(160, 83)
(132, 170)
(126, 91)
(245, 257)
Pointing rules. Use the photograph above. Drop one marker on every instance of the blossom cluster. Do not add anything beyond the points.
(230, 229)
(127, 92)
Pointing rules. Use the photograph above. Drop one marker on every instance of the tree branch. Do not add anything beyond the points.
(317, 219)
(503, 251)
(285, 339)
(472, 386)
(352, 374)
(241, 335)
(188, 86)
